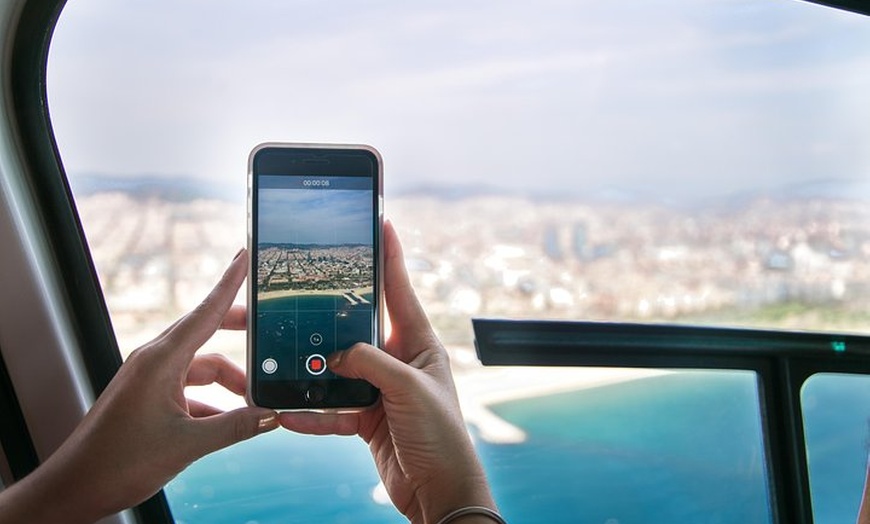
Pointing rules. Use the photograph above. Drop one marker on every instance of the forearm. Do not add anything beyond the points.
(15, 504)
(36, 501)
(50, 494)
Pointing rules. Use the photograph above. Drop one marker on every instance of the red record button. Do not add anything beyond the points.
(315, 364)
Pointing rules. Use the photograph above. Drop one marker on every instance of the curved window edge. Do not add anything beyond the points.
(42, 173)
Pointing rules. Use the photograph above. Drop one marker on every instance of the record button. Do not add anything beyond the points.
(316, 364)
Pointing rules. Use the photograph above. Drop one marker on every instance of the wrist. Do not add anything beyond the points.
(472, 515)
(437, 500)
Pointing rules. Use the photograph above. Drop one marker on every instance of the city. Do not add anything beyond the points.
(283, 267)
(773, 263)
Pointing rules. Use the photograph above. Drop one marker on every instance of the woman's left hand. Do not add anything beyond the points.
(142, 431)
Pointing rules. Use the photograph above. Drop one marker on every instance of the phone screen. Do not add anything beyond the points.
(314, 273)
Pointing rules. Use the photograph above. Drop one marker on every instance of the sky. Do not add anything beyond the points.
(682, 97)
(315, 216)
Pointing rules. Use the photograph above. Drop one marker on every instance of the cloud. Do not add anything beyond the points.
(315, 216)
(696, 96)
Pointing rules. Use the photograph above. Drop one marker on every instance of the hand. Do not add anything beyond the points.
(142, 431)
(416, 433)
(864, 510)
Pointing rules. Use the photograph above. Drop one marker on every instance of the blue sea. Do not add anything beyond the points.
(677, 448)
(285, 327)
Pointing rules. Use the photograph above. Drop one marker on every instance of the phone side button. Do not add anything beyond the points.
(314, 394)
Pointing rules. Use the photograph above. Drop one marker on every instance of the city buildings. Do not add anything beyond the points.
(787, 263)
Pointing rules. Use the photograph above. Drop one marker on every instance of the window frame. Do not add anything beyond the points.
(856, 6)
(782, 360)
(17, 455)
(75, 298)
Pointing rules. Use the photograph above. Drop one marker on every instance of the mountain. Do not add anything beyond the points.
(161, 187)
(184, 188)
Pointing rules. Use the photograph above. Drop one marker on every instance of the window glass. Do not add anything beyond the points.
(610, 445)
(699, 162)
(836, 411)
(677, 160)
(680, 447)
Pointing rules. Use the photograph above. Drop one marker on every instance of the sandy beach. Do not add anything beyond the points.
(284, 293)
(481, 387)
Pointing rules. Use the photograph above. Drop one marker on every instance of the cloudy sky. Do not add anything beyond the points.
(315, 216)
(693, 97)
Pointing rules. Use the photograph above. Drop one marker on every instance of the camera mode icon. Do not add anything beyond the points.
(270, 366)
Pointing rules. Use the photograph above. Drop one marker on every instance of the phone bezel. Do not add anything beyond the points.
(338, 395)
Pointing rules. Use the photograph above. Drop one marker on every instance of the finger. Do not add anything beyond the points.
(320, 423)
(406, 314)
(195, 328)
(207, 369)
(236, 318)
(219, 431)
(369, 363)
(200, 409)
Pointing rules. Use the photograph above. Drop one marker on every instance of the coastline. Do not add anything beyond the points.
(481, 388)
(286, 293)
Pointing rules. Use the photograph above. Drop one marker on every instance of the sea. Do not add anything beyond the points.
(286, 325)
(684, 447)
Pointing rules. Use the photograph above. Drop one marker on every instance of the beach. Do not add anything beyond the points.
(481, 387)
(285, 293)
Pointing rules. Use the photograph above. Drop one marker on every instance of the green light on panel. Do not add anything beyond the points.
(838, 346)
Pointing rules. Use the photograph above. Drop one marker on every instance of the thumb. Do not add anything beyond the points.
(222, 430)
(374, 365)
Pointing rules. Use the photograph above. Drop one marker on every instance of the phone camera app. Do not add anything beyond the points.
(315, 273)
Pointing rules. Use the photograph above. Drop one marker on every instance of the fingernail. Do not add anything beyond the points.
(267, 422)
(238, 254)
(335, 359)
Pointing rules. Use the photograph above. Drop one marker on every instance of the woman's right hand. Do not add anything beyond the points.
(416, 432)
(864, 510)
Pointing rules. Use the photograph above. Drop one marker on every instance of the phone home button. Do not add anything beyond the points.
(314, 394)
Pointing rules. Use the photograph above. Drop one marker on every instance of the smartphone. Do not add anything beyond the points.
(315, 224)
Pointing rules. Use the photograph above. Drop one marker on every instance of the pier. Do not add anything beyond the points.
(358, 298)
